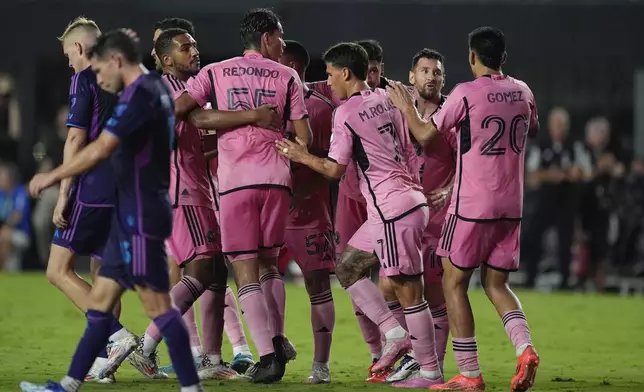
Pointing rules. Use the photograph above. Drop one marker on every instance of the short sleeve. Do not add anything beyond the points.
(200, 88)
(452, 112)
(341, 149)
(80, 103)
(129, 114)
(298, 108)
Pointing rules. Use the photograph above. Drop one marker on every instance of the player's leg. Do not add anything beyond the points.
(462, 245)
(61, 273)
(356, 261)
(314, 252)
(242, 357)
(432, 279)
(494, 274)
(240, 227)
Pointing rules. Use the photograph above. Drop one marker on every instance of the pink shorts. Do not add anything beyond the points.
(431, 261)
(398, 244)
(312, 249)
(468, 244)
(195, 233)
(253, 222)
(349, 217)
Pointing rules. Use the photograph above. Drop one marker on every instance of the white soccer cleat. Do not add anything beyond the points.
(92, 375)
(117, 352)
(220, 371)
(320, 374)
(407, 367)
(49, 387)
(148, 366)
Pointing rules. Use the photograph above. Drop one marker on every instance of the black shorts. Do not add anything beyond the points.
(87, 229)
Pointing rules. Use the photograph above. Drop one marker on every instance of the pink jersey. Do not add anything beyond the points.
(316, 209)
(368, 129)
(492, 116)
(189, 169)
(437, 168)
(324, 89)
(247, 156)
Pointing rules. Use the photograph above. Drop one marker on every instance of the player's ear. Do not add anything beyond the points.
(79, 48)
(412, 78)
(346, 74)
(382, 69)
(472, 58)
(504, 58)
(166, 60)
(265, 39)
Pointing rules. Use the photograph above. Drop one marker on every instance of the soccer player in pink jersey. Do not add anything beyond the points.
(368, 129)
(309, 232)
(437, 169)
(254, 180)
(194, 243)
(491, 116)
(243, 358)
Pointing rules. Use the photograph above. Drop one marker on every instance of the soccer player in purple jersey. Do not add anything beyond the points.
(309, 232)
(368, 129)
(243, 359)
(137, 139)
(437, 169)
(194, 243)
(491, 117)
(85, 203)
(254, 180)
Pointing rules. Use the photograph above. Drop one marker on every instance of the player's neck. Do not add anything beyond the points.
(132, 73)
(84, 65)
(177, 74)
(427, 106)
(487, 71)
(254, 51)
(355, 86)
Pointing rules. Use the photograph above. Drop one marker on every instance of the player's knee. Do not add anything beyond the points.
(155, 304)
(316, 282)
(56, 272)
(345, 274)
(434, 294)
(408, 290)
(387, 289)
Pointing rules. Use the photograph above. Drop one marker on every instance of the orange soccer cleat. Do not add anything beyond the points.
(378, 376)
(462, 383)
(527, 365)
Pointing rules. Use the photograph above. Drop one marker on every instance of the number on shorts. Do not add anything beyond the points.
(390, 129)
(238, 97)
(313, 247)
(516, 145)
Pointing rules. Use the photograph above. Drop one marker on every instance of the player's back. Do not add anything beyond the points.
(499, 111)
(189, 169)
(384, 154)
(247, 155)
(90, 108)
(144, 122)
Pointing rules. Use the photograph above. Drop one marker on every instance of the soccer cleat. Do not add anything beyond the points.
(92, 375)
(117, 352)
(242, 362)
(320, 374)
(416, 380)
(220, 371)
(462, 384)
(49, 387)
(394, 350)
(148, 366)
(170, 368)
(289, 350)
(380, 376)
(407, 367)
(527, 365)
(266, 371)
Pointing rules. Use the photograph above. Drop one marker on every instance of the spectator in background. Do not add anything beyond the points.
(598, 200)
(630, 210)
(554, 170)
(49, 154)
(15, 230)
(9, 120)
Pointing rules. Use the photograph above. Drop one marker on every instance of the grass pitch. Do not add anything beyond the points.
(587, 343)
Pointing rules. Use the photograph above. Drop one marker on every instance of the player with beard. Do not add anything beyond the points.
(437, 168)
(242, 357)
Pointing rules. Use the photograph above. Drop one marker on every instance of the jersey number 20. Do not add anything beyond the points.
(516, 144)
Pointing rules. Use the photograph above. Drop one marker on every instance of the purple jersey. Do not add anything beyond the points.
(369, 129)
(247, 156)
(143, 120)
(491, 116)
(89, 108)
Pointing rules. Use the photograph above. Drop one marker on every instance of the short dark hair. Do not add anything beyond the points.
(348, 55)
(175, 23)
(426, 53)
(489, 45)
(255, 23)
(373, 48)
(298, 52)
(117, 41)
(164, 42)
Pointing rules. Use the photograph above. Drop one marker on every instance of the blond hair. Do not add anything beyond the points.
(80, 22)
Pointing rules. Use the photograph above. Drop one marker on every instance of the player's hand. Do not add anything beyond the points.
(59, 217)
(266, 116)
(400, 96)
(41, 182)
(293, 151)
(439, 197)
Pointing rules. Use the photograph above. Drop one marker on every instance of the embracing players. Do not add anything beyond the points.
(254, 180)
(491, 117)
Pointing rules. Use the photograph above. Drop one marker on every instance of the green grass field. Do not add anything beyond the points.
(587, 343)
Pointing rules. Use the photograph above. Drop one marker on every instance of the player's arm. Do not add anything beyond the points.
(88, 157)
(225, 121)
(298, 114)
(76, 140)
(423, 131)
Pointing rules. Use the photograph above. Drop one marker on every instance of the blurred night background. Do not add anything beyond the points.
(584, 206)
